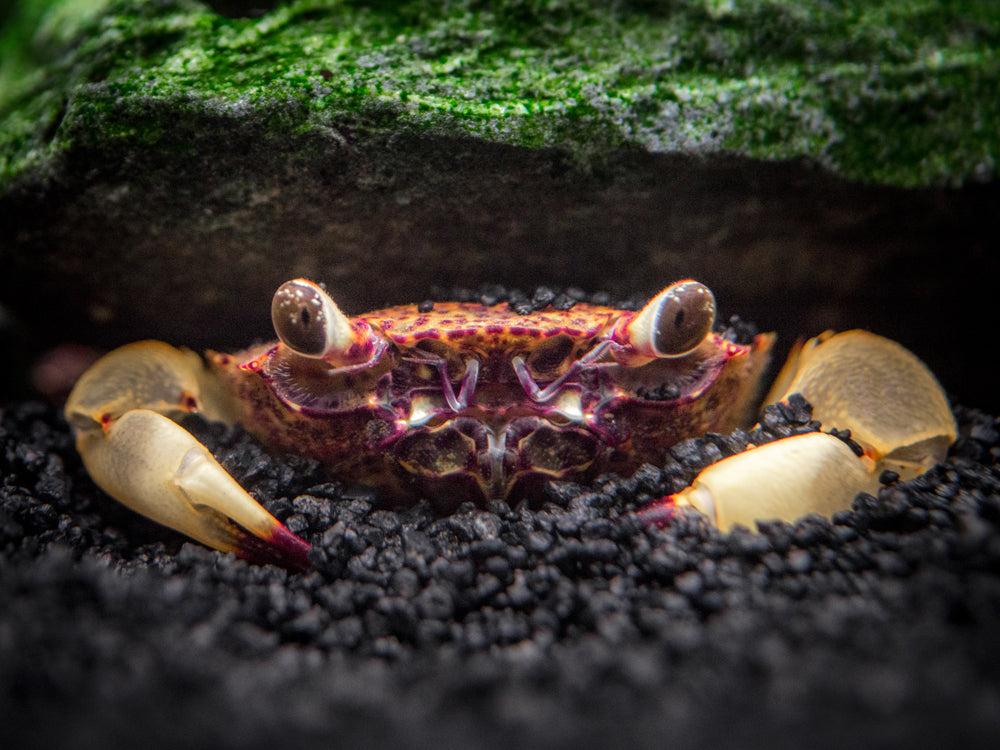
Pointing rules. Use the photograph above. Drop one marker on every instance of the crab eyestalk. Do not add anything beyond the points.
(672, 324)
(308, 322)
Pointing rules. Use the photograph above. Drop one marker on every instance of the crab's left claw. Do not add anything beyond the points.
(786, 479)
(148, 462)
(880, 391)
(877, 389)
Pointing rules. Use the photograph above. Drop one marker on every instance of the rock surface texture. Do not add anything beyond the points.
(164, 166)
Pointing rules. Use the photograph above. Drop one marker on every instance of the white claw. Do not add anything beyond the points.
(154, 466)
(855, 380)
(786, 479)
(876, 388)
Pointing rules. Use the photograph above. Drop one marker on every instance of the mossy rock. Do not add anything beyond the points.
(164, 165)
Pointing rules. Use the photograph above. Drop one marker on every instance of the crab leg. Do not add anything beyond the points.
(855, 380)
(541, 395)
(132, 449)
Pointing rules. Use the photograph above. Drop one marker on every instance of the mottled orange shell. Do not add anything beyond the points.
(471, 326)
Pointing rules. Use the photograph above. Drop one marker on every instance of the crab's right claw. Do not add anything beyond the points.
(157, 468)
(148, 462)
(881, 392)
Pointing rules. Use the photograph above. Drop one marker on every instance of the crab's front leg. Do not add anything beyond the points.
(881, 392)
(120, 411)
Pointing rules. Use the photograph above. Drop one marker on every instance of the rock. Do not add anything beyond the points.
(164, 166)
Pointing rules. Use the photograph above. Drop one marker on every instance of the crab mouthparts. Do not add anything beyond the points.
(465, 458)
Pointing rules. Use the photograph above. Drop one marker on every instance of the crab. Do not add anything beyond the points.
(453, 402)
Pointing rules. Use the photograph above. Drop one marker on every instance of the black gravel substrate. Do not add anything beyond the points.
(572, 626)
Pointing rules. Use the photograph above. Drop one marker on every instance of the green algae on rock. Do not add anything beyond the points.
(165, 165)
(897, 92)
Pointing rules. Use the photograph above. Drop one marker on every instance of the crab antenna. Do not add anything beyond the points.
(674, 322)
(308, 321)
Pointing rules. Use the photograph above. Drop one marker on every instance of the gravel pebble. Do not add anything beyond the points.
(569, 625)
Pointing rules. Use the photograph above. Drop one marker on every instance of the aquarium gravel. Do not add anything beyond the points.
(570, 624)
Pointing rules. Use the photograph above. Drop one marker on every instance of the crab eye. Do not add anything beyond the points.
(675, 321)
(308, 321)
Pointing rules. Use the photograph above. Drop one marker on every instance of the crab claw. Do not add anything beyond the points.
(155, 467)
(883, 393)
(786, 479)
(877, 389)
(148, 462)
